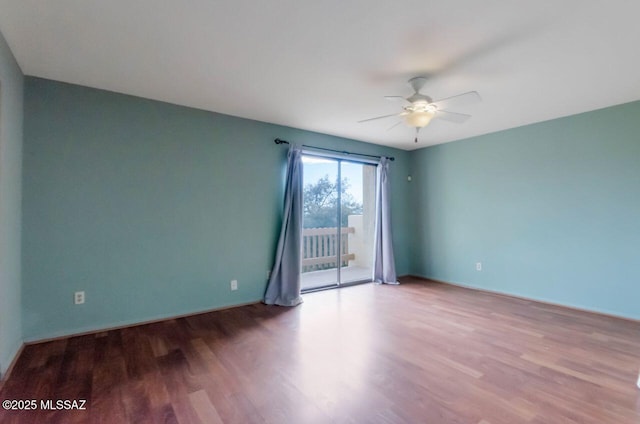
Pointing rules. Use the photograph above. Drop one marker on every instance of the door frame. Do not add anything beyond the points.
(339, 158)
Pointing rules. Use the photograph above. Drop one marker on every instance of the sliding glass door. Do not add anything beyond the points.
(337, 235)
(320, 222)
(357, 220)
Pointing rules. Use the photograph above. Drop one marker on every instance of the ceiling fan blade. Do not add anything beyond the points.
(468, 98)
(395, 98)
(458, 118)
(381, 117)
(394, 125)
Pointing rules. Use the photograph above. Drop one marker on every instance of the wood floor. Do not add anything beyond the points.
(415, 353)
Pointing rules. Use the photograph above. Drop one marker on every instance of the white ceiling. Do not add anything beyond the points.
(323, 65)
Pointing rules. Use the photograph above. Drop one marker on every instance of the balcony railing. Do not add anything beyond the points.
(320, 248)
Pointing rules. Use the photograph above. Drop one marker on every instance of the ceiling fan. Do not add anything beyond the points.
(421, 109)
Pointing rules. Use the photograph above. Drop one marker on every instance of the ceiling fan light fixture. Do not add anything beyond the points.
(419, 119)
(420, 109)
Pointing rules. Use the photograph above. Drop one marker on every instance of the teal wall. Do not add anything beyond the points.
(552, 210)
(152, 208)
(11, 97)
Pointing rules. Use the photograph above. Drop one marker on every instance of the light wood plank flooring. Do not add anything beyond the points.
(415, 353)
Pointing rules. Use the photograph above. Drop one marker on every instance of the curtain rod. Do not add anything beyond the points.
(281, 141)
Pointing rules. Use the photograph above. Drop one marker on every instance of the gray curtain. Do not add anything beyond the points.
(384, 268)
(284, 284)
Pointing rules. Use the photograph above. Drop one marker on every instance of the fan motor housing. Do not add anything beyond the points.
(416, 97)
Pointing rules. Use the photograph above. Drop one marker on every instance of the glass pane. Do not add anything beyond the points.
(320, 223)
(357, 219)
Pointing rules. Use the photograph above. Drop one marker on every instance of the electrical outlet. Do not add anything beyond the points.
(78, 297)
(234, 285)
(478, 266)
